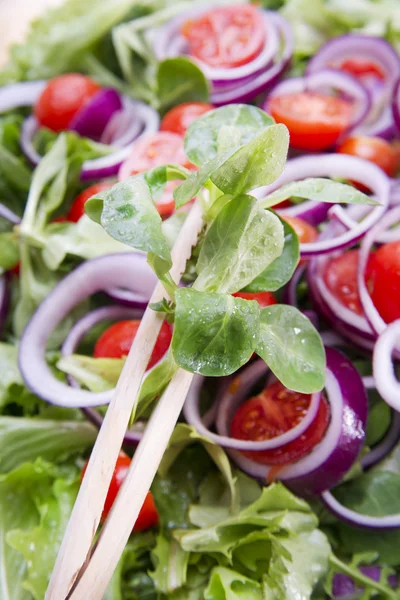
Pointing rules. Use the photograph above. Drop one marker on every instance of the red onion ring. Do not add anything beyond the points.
(94, 275)
(356, 519)
(290, 292)
(326, 465)
(92, 119)
(229, 402)
(327, 79)
(311, 211)
(9, 215)
(374, 318)
(345, 588)
(385, 379)
(71, 342)
(386, 445)
(20, 94)
(342, 166)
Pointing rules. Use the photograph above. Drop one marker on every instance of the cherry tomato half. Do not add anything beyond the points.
(305, 232)
(362, 69)
(62, 99)
(315, 121)
(383, 281)
(263, 298)
(227, 36)
(273, 412)
(340, 277)
(148, 516)
(373, 149)
(77, 209)
(117, 340)
(180, 117)
(150, 151)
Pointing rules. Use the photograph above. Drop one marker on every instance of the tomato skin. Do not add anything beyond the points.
(62, 99)
(305, 232)
(340, 277)
(315, 121)
(116, 341)
(383, 281)
(155, 150)
(77, 209)
(148, 515)
(273, 412)
(180, 117)
(226, 36)
(263, 298)
(374, 149)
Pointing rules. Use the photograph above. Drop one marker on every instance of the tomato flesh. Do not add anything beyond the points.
(180, 117)
(315, 121)
(77, 209)
(362, 69)
(62, 99)
(273, 412)
(263, 298)
(226, 37)
(376, 150)
(340, 277)
(155, 150)
(148, 515)
(116, 341)
(383, 281)
(305, 232)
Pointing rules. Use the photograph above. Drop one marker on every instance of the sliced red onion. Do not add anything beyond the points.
(94, 275)
(128, 298)
(356, 519)
(290, 293)
(16, 95)
(9, 215)
(326, 81)
(386, 381)
(396, 105)
(345, 588)
(28, 130)
(92, 119)
(134, 434)
(230, 400)
(341, 166)
(311, 211)
(326, 465)
(386, 445)
(374, 318)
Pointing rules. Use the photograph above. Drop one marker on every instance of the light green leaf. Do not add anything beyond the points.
(227, 584)
(242, 241)
(180, 80)
(23, 440)
(9, 251)
(9, 371)
(96, 374)
(319, 189)
(15, 170)
(260, 162)
(292, 348)
(130, 216)
(204, 139)
(214, 334)
(171, 565)
(154, 382)
(280, 271)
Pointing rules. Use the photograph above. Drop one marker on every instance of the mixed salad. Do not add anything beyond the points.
(278, 122)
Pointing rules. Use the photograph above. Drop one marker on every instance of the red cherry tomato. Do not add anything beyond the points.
(340, 277)
(263, 298)
(373, 149)
(274, 412)
(180, 117)
(383, 280)
(77, 209)
(362, 69)
(62, 99)
(305, 232)
(315, 121)
(117, 340)
(227, 36)
(153, 151)
(148, 516)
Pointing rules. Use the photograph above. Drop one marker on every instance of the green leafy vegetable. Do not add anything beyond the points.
(321, 190)
(214, 334)
(292, 348)
(97, 374)
(180, 80)
(280, 271)
(242, 241)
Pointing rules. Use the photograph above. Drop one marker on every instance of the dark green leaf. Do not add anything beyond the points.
(180, 80)
(242, 241)
(376, 493)
(280, 271)
(214, 334)
(9, 251)
(292, 348)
